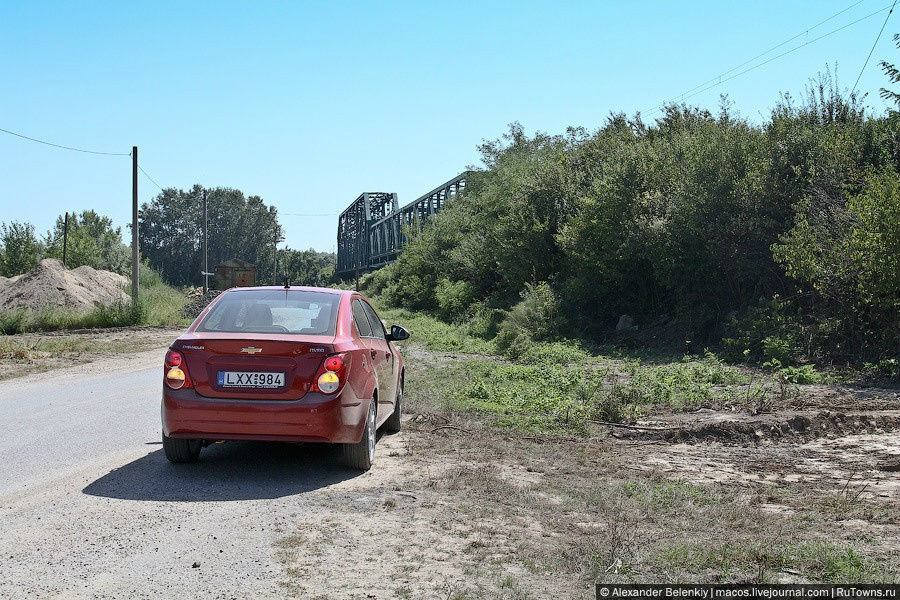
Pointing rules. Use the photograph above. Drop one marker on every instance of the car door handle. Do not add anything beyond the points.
(374, 354)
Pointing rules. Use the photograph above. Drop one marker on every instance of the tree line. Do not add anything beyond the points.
(171, 240)
(779, 240)
(90, 240)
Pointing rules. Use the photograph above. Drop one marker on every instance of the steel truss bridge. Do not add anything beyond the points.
(371, 231)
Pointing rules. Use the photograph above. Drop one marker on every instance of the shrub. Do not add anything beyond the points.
(801, 374)
(536, 317)
(483, 321)
(453, 298)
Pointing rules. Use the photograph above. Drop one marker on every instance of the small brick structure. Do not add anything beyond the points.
(235, 273)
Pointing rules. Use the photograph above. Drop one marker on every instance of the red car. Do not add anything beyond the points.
(291, 364)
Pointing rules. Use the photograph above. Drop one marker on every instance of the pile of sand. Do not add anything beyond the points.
(50, 284)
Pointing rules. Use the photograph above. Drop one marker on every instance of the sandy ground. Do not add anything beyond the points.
(90, 508)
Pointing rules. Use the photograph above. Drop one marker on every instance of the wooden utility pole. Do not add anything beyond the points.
(65, 237)
(205, 245)
(134, 226)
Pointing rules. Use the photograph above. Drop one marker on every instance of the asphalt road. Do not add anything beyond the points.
(90, 508)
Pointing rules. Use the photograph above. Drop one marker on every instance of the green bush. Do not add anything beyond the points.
(453, 298)
(535, 318)
(801, 374)
(483, 321)
(780, 349)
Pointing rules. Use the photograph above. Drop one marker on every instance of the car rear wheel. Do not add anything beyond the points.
(392, 425)
(180, 450)
(361, 455)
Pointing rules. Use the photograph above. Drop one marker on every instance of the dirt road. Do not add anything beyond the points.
(90, 508)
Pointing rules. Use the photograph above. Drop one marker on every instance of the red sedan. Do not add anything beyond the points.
(292, 364)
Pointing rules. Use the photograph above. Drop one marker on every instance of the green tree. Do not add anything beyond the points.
(893, 74)
(20, 249)
(91, 240)
(306, 267)
(847, 254)
(241, 227)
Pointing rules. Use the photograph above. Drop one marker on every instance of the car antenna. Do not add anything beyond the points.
(287, 283)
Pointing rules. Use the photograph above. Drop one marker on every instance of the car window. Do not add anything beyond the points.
(273, 311)
(374, 321)
(359, 316)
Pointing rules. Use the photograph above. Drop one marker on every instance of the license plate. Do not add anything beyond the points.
(242, 379)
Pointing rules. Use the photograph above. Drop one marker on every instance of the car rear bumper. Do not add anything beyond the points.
(314, 418)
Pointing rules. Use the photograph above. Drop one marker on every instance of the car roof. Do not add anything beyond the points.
(293, 288)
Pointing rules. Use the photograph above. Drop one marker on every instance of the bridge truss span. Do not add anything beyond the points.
(371, 230)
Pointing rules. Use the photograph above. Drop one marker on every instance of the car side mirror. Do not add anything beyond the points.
(397, 333)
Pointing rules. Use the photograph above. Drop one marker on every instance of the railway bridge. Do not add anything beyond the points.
(371, 230)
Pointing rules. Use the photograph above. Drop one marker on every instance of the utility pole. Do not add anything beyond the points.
(65, 237)
(134, 226)
(205, 245)
(275, 259)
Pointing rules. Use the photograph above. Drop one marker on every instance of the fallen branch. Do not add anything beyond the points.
(637, 427)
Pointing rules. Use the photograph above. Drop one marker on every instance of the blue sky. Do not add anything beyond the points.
(308, 104)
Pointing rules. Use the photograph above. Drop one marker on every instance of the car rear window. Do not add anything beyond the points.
(273, 311)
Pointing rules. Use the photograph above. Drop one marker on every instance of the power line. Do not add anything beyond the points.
(287, 214)
(774, 58)
(25, 137)
(147, 175)
(775, 47)
(878, 37)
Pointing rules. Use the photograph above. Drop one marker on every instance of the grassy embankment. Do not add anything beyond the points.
(561, 386)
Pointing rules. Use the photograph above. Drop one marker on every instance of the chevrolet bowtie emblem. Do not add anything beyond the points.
(251, 350)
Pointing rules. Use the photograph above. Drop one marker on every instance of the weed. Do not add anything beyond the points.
(802, 374)
(12, 322)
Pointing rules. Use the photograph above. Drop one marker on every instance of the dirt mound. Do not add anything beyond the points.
(770, 428)
(50, 285)
(7, 281)
(799, 426)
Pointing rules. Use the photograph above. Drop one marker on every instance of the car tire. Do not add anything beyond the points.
(361, 455)
(392, 425)
(180, 450)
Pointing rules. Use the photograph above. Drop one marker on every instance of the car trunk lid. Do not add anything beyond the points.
(296, 357)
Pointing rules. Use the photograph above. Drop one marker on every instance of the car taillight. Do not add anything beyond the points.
(176, 376)
(331, 375)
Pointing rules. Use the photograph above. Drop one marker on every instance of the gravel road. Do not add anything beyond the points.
(90, 508)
